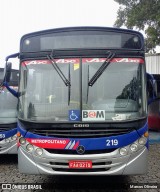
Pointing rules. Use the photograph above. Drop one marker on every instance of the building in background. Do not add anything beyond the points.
(153, 63)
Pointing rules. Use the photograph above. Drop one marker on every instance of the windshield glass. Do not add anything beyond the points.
(8, 107)
(44, 95)
(118, 94)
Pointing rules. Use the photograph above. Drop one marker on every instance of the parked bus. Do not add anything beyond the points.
(8, 115)
(82, 106)
(154, 109)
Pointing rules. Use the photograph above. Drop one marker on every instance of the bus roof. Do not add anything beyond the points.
(94, 28)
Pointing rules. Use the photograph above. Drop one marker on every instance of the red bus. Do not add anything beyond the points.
(154, 109)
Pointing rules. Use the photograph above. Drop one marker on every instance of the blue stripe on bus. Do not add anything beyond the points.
(21, 130)
(143, 129)
(8, 133)
(97, 143)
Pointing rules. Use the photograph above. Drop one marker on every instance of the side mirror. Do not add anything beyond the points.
(151, 88)
(7, 72)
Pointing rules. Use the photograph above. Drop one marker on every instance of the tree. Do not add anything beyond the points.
(143, 15)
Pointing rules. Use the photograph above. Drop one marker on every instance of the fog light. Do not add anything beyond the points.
(14, 137)
(22, 141)
(134, 147)
(123, 151)
(29, 148)
(142, 141)
(39, 151)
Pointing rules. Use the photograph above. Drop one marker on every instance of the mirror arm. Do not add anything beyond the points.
(12, 56)
(12, 91)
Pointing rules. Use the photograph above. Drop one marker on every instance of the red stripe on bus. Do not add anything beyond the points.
(49, 143)
(84, 60)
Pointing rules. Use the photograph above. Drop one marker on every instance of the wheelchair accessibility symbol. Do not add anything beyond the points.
(74, 115)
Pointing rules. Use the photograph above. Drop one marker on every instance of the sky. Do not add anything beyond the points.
(18, 17)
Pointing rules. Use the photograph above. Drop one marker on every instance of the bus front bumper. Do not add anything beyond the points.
(8, 147)
(103, 164)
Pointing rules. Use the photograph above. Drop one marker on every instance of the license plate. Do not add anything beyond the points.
(78, 164)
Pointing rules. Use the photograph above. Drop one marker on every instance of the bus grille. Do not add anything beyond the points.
(80, 132)
(74, 152)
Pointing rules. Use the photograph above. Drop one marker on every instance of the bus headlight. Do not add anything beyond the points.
(29, 148)
(14, 137)
(142, 141)
(123, 151)
(134, 147)
(39, 151)
(22, 141)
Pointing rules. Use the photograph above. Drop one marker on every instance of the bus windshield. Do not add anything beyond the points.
(117, 95)
(8, 103)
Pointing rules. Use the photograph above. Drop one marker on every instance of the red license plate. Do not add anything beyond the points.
(78, 164)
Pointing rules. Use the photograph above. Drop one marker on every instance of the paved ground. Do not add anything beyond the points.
(9, 174)
(154, 136)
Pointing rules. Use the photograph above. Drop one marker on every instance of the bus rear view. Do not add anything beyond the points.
(82, 102)
(8, 115)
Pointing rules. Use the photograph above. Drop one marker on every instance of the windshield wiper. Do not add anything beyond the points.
(62, 76)
(101, 69)
(99, 72)
(60, 73)
(87, 86)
